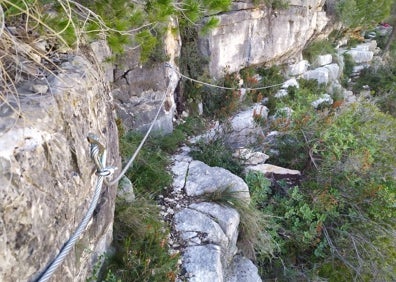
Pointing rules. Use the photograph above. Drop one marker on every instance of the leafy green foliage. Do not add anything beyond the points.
(210, 24)
(317, 48)
(216, 153)
(346, 200)
(349, 63)
(148, 173)
(141, 245)
(365, 13)
(120, 22)
(382, 84)
(147, 44)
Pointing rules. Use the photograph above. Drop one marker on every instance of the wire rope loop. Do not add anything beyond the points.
(98, 154)
(105, 171)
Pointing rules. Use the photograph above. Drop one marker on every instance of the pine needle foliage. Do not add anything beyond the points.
(363, 13)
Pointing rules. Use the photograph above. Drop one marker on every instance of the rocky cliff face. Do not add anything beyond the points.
(47, 176)
(46, 173)
(251, 35)
(247, 35)
(139, 89)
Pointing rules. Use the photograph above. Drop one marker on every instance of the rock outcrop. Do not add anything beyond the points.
(47, 176)
(207, 231)
(251, 34)
(139, 89)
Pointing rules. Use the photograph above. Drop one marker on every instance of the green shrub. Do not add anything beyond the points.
(344, 208)
(216, 153)
(141, 250)
(148, 172)
(349, 63)
(317, 48)
(382, 83)
(220, 103)
(363, 13)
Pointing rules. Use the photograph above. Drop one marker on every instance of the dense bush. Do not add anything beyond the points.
(316, 48)
(340, 222)
(216, 153)
(382, 84)
(364, 13)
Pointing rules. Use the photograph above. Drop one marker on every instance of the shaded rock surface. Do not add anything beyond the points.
(139, 89)
(47, 176)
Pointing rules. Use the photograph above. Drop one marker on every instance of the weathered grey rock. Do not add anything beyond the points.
(47, 176)
(321, 75)
(9, 115)
(335, 89)
(322, 60)
(383, 30)
(251, 34)
(242, 270)
(125, 190)
(248, 157)
(367, 46)
(357, 69)
(179, 169)
(292, 82)
(140, 89)
(102, 54)
(203, 179)
(226, 217)
(268, 169)
(281, 93)
(334, 72)
(324, 100)
(203, 263)
(244, 130)
(297, 68)
(208, 231)
(360, 55)
(189, 220)
(349, 97)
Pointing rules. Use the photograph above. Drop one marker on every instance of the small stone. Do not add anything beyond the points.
(292, 82)
(298, 68)
(267, 169)
(39, 88)
(322, 60)
(170, 211)
(248, 157)
(281, 93)
(325, 99)
(125, 190)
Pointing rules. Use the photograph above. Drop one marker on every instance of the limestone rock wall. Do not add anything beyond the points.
(47, 176)
(139, 89)
(251, 35)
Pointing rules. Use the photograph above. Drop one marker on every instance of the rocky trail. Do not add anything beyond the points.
(205, 232)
